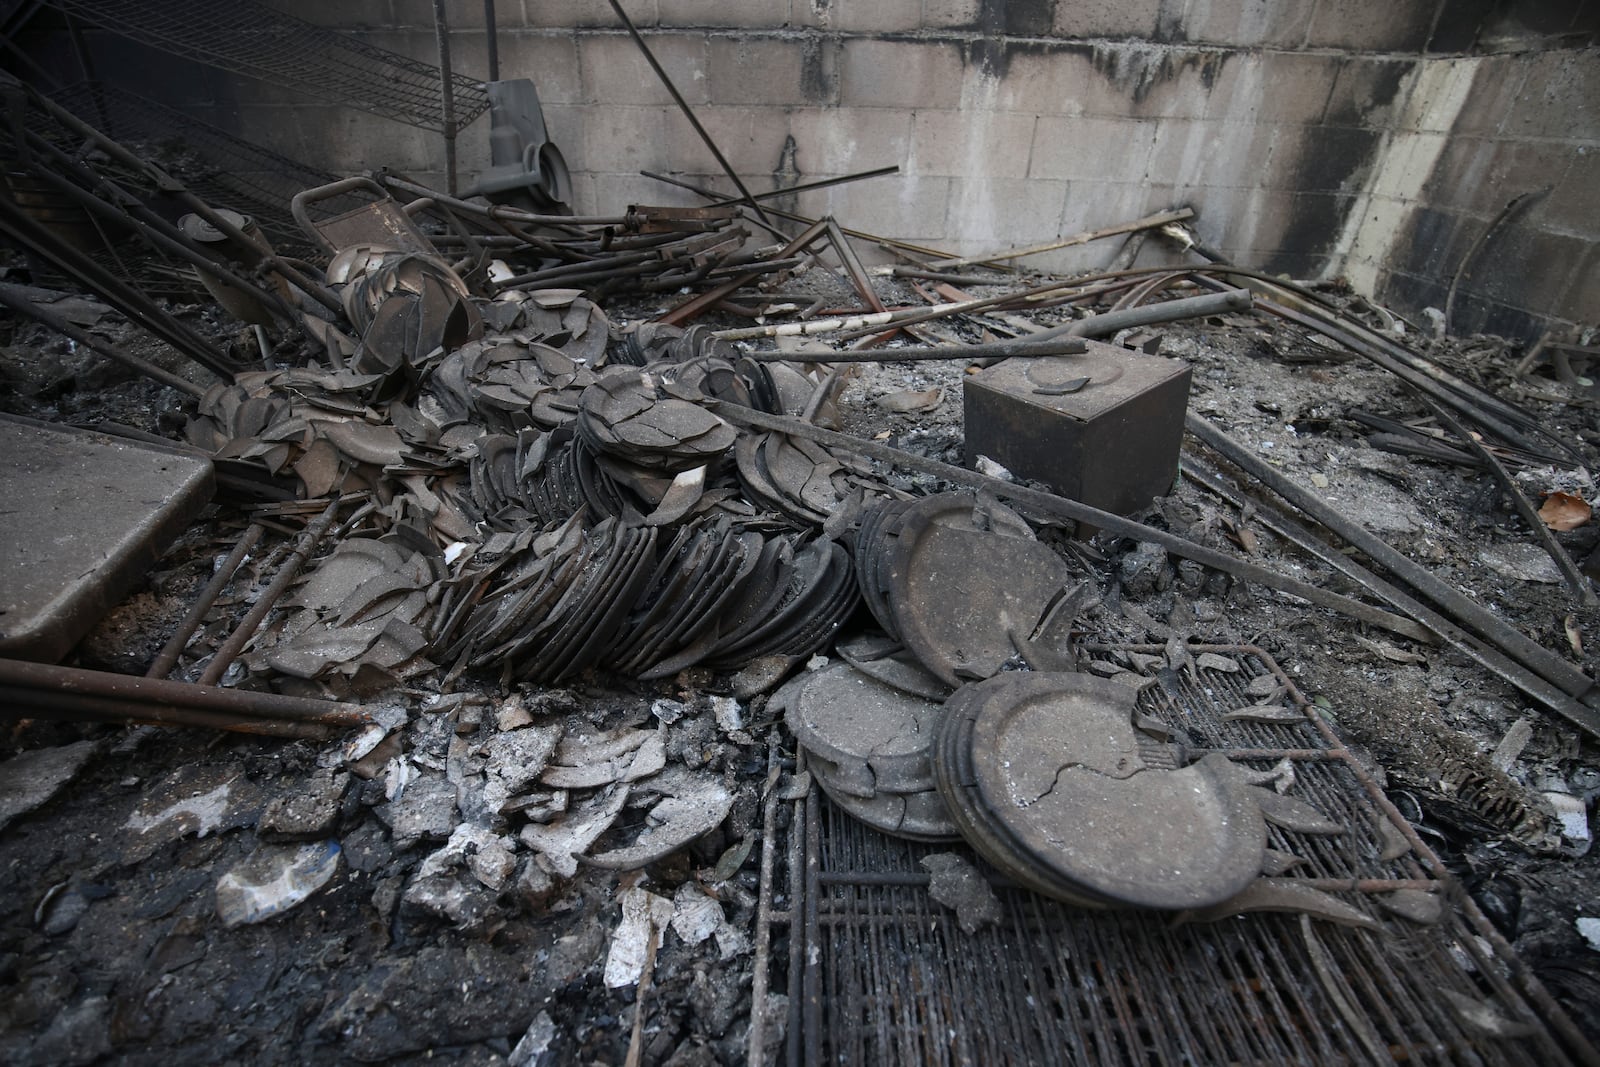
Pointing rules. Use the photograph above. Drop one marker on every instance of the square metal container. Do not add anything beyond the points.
(1113, 444)
(86, 514)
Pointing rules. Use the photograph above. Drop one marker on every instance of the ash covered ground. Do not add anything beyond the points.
(430, 943)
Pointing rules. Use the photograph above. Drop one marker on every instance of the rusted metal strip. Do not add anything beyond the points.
(134, 691)
(43, 704)
(208, 596)
(236, 641)
(1149, 222)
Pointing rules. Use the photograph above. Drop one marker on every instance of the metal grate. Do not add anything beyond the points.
(247, 38)
(879, 973)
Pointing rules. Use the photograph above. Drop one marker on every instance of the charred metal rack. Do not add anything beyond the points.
(252, 39)
(876, 972)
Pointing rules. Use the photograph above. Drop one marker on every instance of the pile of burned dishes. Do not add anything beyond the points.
(868, 744)
(959, 578)
(1050, 781)
(549, 604)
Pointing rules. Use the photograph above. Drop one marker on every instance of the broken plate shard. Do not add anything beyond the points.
(274, 879)
(697, 807)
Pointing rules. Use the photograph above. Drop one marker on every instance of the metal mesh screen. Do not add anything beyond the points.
(880, 973)
(248, 38)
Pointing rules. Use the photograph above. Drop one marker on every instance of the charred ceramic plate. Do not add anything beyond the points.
(1056, 760)
(965, 575)
(886, 660)
(920, 816)
(851, 719)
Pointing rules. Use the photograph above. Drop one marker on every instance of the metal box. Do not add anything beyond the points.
(1112, 444)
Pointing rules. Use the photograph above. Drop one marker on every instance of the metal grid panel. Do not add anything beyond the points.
(881, 974)
(247, 38)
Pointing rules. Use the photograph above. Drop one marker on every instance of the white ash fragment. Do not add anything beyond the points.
(1512, 744)
(1573, 816)
(426, 810)
(729, 715)
(307, 810)
(697, 807)
(957, 885)
(1589, 927)
(617, 756)
(486, 854)
(637, 936)
(274, 879)
(560, 843)
(668, 712)
(535, 1043)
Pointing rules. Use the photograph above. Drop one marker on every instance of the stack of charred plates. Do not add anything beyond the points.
(504, 386)
(554, 605)
(869, 744)
(546, 606)
(958, 578)
(629, 414)
(1049, 779)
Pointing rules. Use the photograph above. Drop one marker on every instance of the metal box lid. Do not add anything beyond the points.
(85, 515)
(1115, 375)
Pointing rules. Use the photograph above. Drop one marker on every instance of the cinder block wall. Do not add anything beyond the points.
(1313, 137)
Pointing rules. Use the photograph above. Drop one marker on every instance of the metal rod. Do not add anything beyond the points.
(208, 596)
(134, 304)
(447, 95)
(1576, 580)
(1451, 601)
(491, 30)
(1057, 346)
(1050, 504)
(136, 690)
(235, 643)
(803, 187)
(1191, 307)
(688, 112)
(718, 198)
(45, 704)
(1149, 222)
(23, 306)
(501, 211)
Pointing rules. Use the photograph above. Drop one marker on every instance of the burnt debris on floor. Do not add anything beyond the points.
(652, 658)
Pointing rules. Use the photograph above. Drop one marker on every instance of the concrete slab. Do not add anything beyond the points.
(84, 515)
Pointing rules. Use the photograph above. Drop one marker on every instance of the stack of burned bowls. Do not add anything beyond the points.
(1051, 781)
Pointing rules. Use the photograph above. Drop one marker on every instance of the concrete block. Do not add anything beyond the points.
(1571, 205)
(970, 144)
(900, 74)
(1110, 150)
(1272, 87)
(948, 14)
(858, 16)
(1526, 266)
(910, 209)
(565, 124)
(1091, 19)
(1322, 158)
(756, 70)
(614, 192)
(989, 215)
(468, 16)
(752, 138)
(846, 139)
(1047, 79)
(1197, 152)
(547, 60)
(1560, 97)
(1368, 91)
(1361, 26)
(1582, 295)
(1480, 176)
(615, 72)
(1159, 82)
(628, 139)
(1247, 23)
(579, 14)
(720, 15)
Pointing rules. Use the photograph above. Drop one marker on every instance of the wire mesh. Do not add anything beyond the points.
(882, 974)
(248, 38)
